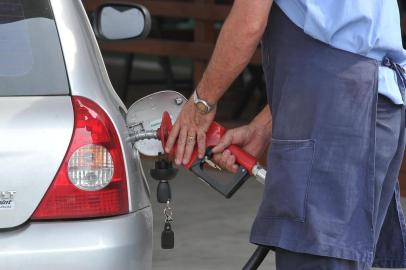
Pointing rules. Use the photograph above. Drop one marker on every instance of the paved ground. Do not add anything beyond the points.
(210, 232)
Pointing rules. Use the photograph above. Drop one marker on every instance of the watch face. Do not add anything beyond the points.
(201, 107)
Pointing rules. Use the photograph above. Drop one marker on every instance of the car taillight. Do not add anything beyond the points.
(91, 181)
(91, 167)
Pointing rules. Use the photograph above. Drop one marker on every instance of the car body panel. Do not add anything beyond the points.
(44, 126)
(35, 135)
(88, 78)
(98, 244)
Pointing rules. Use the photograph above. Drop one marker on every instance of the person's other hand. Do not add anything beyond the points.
(189, 127)
(248, 138)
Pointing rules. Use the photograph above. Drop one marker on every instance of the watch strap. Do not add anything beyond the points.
(201, 102)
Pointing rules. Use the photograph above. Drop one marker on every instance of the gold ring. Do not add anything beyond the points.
(191, 139)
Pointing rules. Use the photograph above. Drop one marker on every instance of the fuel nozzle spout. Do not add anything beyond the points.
(144, 135)
(160, 134)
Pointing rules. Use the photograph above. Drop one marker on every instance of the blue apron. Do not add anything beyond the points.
(319, 196)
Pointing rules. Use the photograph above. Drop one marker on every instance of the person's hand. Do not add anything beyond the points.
(189, 127)
(249, 138)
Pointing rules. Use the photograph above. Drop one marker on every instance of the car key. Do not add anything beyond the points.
(163, 172)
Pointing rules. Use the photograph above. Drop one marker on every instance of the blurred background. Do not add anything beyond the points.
(176, 53)
(174, 57)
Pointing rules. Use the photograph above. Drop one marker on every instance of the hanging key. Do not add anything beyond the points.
(163, 172)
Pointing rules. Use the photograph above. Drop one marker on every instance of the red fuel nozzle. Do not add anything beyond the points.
(213, 136)
(165, 128)
(248, 163)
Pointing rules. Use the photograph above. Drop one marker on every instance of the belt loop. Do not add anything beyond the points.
(387, 62)
(400, 73)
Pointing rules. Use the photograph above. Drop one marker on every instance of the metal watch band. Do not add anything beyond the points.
(202, 105)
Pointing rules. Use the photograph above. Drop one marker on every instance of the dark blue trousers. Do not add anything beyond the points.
(388, 128)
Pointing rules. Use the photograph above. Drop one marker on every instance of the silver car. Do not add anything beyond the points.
(72, 192)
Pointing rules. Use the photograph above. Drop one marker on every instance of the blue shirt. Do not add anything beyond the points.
(366, 27)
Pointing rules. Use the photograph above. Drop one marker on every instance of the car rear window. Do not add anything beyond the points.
(31, 60)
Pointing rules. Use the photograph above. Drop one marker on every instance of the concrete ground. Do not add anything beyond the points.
(211, 232)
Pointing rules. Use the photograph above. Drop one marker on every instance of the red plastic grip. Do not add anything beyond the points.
(213, 136)
(243, 158)
(165, 128)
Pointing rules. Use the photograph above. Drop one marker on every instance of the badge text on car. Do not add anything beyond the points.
(7, 199)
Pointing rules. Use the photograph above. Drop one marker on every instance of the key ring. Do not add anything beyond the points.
(168, 212)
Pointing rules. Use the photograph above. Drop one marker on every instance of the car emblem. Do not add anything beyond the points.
(7, 199)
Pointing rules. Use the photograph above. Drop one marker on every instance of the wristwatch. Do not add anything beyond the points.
(202, 106)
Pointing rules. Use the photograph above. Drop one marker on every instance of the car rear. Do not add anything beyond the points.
(70, 193)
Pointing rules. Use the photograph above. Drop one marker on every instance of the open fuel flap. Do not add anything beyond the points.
(145, 117)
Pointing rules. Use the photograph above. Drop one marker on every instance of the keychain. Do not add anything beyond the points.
(168, 236)
(163, 172)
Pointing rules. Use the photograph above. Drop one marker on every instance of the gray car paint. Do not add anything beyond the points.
(123, 242)
(118, 243)
(34, 135)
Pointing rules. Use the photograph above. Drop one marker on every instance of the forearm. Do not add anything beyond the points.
(235, 46)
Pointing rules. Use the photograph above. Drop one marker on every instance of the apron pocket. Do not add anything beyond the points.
(289, 168)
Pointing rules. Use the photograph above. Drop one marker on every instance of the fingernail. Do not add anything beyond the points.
(177, 161)
(235, 167)
(167, 150)
(227, 151)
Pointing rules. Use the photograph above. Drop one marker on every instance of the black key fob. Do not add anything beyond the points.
(167, 237)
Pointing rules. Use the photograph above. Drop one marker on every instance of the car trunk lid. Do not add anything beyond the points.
(35, 133)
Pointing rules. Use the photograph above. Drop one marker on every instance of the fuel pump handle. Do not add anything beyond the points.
(213, 137)
(247, 162)
(243, 158)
